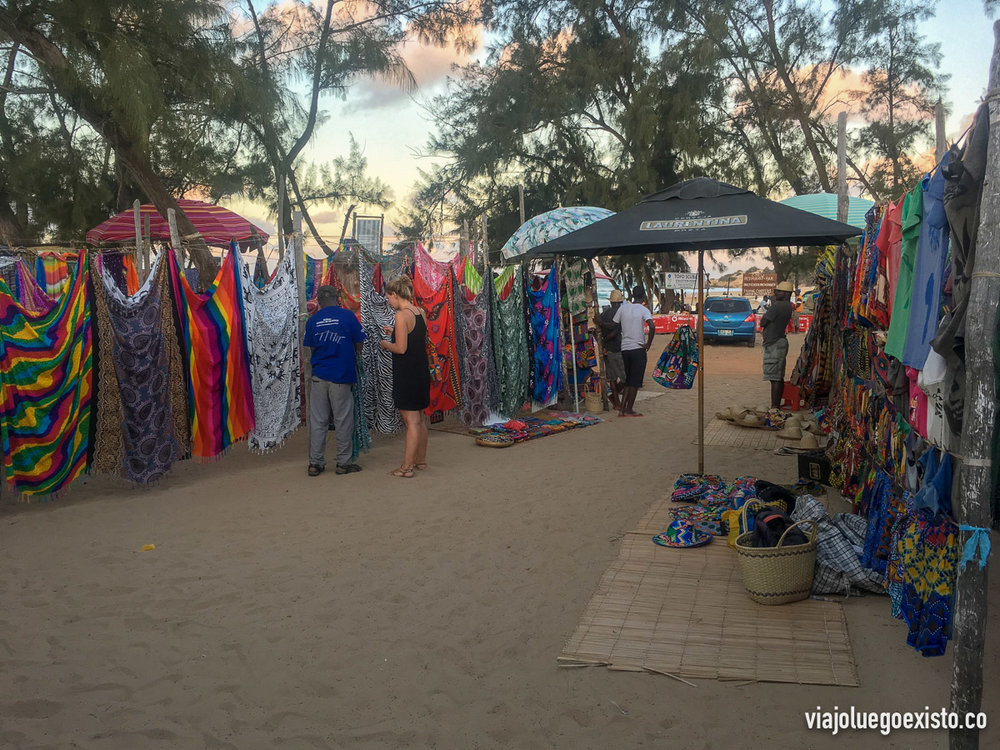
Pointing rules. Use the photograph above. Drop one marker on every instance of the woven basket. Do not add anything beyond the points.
(495, 441)
(778, 575)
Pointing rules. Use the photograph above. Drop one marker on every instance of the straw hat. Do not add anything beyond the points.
(794, 421)
(808, 442)
(682, 533)
(615, 296)
(726, 414)
(749, 419)
(790, 433)
(784, 286)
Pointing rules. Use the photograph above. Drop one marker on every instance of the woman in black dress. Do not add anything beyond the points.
(411, 376)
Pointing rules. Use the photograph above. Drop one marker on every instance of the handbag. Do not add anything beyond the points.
(678, 364)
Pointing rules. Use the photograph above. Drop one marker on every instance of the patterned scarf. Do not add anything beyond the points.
(434, 291)
(46, 371)
(141, 420)
(510, 339)
(52, 271)
(380, 410)
(30, 295)
(272, 340)
(478, 367)
(214, 344)
(545, 333)
(576, 297)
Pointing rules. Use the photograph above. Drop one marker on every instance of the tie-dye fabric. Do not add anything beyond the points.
(46, 375)
(544, 309)
(213, 335)
(52, 271)
(434, 291)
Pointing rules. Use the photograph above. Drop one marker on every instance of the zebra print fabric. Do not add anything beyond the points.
(380, 412)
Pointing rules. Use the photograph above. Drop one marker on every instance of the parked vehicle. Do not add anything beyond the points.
(730, 319)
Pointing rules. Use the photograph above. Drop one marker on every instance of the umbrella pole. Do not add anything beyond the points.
(701, 362)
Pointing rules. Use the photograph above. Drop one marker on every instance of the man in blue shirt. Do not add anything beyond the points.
(334, 335)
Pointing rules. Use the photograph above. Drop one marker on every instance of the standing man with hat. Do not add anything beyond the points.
(637, 336)
(614, 368)
(773, 324)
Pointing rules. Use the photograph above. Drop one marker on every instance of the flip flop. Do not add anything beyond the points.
(402, 473)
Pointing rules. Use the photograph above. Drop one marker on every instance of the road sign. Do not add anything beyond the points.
(681, 280)
(758, 284)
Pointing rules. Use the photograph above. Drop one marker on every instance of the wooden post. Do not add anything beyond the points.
(843, 201)
(175, 237)
(463, 248)
(979, 423)
(520, 201)
(485, 247)
(147, 243)
(598, 336)
(281, 223)
(701, 362)
(137, 223)
(940, 140)
(300, 283)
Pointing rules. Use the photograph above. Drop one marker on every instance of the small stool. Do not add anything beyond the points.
(791, 398)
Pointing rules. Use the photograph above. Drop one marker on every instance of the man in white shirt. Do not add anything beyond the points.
(637, 336)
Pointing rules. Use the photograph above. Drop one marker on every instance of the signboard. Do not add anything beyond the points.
(758, 284)
(682, 280)
(368, 231)
(693, 220)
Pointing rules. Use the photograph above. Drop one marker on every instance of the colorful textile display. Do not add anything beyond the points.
(543, 306)
(434, 291)
(928, 561)
(710, 497)
(142, 418)
(52, 271)
(213, 334)
(272, 341)
(576, 298)
(529, 428)
(46, 371)
(477, 366)
(380, 411)
(510, 340)
(30, 294)
(678, 364)
(8, 272)
(347, 300)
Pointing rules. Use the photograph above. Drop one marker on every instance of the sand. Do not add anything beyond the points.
(365, 611)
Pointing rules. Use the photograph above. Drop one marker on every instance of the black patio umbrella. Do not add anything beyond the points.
(699, 214)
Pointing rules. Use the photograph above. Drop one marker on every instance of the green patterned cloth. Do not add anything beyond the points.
(573, 271)
(510, 340)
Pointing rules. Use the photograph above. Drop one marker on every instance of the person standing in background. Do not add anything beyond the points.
(637, 336)
(773, 324)
(614, 367)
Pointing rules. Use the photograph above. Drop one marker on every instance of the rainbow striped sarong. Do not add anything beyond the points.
(213, 342)
(46, 378)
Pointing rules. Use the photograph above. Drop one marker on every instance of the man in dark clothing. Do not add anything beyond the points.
(773, 324)
(614, 367)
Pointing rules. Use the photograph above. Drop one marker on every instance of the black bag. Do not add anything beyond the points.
(769, 493)
(769, 525)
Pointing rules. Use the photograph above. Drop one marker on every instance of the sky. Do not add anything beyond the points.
(393, 127)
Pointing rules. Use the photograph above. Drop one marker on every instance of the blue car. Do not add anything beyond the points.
(730, 319)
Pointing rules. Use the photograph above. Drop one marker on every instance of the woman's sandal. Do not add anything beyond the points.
(403, 472)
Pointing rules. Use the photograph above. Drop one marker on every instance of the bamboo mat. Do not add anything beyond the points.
(684, 612)
(720, 432)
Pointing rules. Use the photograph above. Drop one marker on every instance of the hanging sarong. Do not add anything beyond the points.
(30, 294)
(545, 334)
(142, 427)
(46, 371)
(478, 368)
(381, 413)
(347, 300)
(434, 292)
(510, 340)
(8, 272)
(272, 340)
(214, 345)
(576, 297)
(362, 439)
(52, 271)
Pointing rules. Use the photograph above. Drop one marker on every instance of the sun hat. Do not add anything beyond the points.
(809, 442)
(790, 433)
(749, 419)
(682, 533)
(726, 414)
(616, 296)
(784, 286)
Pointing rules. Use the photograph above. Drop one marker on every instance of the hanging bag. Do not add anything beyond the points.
(678, 364)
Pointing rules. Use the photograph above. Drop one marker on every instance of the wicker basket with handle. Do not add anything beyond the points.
(778, 575)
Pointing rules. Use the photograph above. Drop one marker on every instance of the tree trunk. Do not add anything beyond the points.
(779, 269)
(76, 94)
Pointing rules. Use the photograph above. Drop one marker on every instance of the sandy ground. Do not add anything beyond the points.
(364, 611)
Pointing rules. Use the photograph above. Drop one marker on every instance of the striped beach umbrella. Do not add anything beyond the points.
(218, 226)
(825, 205)
(550, 225)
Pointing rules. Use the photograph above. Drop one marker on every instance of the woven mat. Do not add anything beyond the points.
(684, 612)
(720, 432)
(452, 425)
